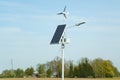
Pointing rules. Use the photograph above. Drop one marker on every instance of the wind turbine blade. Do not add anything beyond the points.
(59, 13)
(65, 16)
(64, 9)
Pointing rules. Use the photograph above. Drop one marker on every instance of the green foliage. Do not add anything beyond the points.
(59, 69)
(56, 67)
(109, 72)
(19, 73)
(85, 69)
(116, 72)
(29, 71)
(41, 70)
(49, 72)
(71, 74)
(8, 74)
(97, 68)
(76, 72)
(104, 68)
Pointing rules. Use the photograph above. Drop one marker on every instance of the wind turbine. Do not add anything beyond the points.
(64, 13)
(59, 36)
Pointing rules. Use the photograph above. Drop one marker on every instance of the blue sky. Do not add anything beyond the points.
(27, 27)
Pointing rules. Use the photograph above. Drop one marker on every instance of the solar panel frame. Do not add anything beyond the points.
(58, 34)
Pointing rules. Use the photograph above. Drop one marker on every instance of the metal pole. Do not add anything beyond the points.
(12, 64)
(62, 48)
(62, 64)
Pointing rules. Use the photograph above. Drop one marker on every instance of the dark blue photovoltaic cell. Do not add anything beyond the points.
(58, 34)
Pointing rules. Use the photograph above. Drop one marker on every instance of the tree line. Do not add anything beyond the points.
(85, 68)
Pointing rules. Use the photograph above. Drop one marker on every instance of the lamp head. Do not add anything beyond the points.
(80, 23)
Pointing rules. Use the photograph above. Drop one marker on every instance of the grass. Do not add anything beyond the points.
(59, 78)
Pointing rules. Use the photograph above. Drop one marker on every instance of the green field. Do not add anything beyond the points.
(59, 78)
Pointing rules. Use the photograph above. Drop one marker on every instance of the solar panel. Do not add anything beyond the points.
(58, 34)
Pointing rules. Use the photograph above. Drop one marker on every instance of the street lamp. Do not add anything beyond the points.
(78, 24)
(59, 37)
(63, 42)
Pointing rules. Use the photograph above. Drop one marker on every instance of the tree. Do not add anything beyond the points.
(8, 74)
(116, 72)
(85, 69)
(104, 68)
(98, 67)
(29, 71)
(109, 70)
(49, 72)
(76, 72)
(71, 75)
(41, 70)
(19, 73)
(56, 67)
